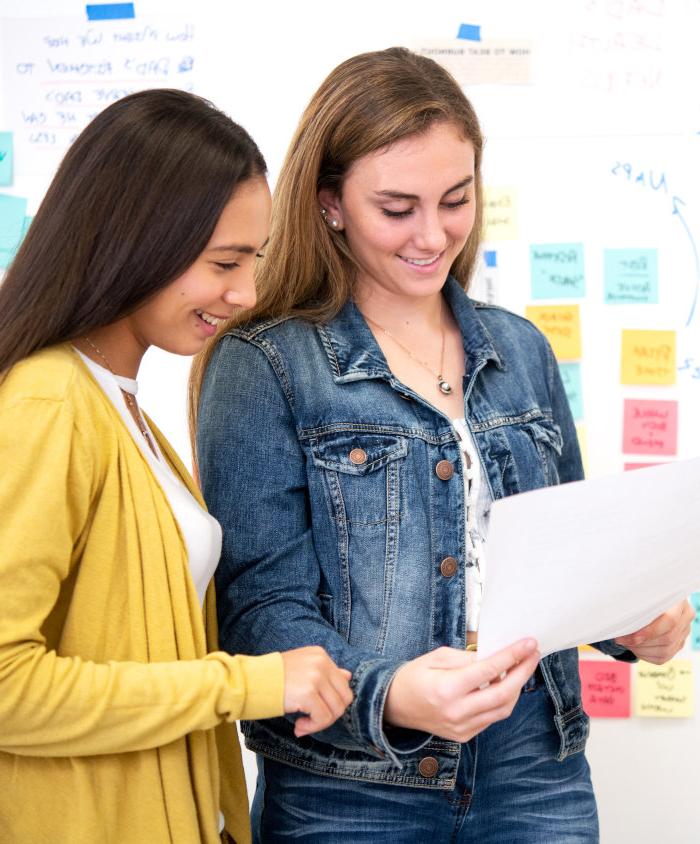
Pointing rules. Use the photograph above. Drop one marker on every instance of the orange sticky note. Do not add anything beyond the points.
(648, 357)
(605, 688)
(561, 324)
(650, 427)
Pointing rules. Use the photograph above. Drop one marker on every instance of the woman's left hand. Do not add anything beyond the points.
(661, 639)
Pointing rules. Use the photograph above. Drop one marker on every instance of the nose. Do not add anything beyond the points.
(429, 235)
(241, 292)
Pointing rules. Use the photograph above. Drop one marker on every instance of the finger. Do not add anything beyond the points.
(333, 700)
(658, 627)
(498, 692)
(488, 670)
(347, 674)
(339, 679)
(319, 716)
(447, 658)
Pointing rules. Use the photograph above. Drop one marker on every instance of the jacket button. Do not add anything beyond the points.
(448, 567)
(428, 766)
(444, 470)
(358, 456)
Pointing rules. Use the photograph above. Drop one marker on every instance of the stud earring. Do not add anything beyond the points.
(333, 223)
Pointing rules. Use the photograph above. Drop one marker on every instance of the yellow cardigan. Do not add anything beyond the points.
(109, 699)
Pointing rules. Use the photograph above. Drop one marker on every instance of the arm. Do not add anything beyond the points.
(53, 705)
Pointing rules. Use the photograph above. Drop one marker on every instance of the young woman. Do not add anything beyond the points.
(108, 697)
(371, 412)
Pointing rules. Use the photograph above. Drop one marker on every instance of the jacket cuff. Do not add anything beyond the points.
(611, 648)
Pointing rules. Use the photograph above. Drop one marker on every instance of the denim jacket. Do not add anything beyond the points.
(321, 467)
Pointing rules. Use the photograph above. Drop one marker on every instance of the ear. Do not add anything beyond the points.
(330, 201)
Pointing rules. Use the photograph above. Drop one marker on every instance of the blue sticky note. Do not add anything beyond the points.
(571, 377)
(631, 276)
(110, 11)
(469, 31)
(490, 257)
(6, 156)
(12, 214)
(556, 270)
(695, 626)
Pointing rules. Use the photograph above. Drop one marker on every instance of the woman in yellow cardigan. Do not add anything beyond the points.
(116, 722)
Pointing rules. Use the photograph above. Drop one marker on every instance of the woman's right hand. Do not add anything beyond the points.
(450, 693)
(314, 685)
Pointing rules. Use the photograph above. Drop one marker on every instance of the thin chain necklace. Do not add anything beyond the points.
(442, 384)
(131, 402)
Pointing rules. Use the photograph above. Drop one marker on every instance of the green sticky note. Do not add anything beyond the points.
(556, 271)
(13, 212)
(631, 276)
(571, 377)
(6, 157)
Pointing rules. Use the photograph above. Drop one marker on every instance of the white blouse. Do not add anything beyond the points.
(201, 531)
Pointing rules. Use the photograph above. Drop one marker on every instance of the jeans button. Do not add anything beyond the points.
(448, 567)
(428, 766)
(444, 470)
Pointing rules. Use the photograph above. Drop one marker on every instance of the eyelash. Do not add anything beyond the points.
(399, 214)
(224, 266)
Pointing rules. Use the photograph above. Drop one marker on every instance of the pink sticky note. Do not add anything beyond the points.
(605, 688)
(650, 427)
(630, 466)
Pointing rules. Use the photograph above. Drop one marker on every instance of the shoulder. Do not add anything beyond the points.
(510, 331)
(51, 374)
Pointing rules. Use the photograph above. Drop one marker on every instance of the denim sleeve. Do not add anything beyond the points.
(253, 477)
(571, 469)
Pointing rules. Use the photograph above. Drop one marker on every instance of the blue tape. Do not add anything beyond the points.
(469, 31)
(110, 11)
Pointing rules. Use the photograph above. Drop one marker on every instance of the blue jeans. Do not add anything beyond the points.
(510, 790)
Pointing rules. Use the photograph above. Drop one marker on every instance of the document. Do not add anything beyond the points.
(591, 560)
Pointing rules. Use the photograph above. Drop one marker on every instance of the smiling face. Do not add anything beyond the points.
(184, 314)
(407, 211)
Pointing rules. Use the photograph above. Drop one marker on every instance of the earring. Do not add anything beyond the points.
(333, 223)
(324, 213)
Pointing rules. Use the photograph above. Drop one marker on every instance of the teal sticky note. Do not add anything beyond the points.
(571, 377)
(13, 210)
(695, 626)
(556, 270)
(631, 276)
(6, 158)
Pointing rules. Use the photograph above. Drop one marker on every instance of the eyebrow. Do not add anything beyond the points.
(395, 194)
(244, 249)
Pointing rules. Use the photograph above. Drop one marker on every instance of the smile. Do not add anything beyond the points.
(209, 318)
(421, 262)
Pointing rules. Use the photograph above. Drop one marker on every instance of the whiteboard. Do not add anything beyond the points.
(599, 148)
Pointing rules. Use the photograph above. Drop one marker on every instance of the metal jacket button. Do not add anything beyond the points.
(448, 566)
(428, 766)
(444, 470)
(358, 456)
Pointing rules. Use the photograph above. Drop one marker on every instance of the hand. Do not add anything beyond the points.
(661, 640)
(449, 693)
(314, 685)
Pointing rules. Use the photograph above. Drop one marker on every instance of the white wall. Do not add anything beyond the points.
(612, 81)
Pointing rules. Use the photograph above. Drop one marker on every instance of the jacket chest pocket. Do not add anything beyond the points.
(524, 456)
(362, 475)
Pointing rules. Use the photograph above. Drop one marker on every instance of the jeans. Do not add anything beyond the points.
(510, 790)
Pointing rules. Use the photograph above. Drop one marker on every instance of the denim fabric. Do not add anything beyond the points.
(510, 789)
(321, 548)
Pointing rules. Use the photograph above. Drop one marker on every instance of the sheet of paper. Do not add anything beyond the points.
(650, 427)
(631, 276)
(648, 357)
(556, 271)
(591, 560)
(605, 688)
(561, 324)
(664, 691)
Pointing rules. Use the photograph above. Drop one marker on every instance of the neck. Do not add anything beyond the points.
(121, 352)
(400, 313)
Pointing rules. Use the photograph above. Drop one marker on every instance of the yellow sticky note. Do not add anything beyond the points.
(664, 691)
(583, 648)
(500, 214)
(561, 324)
(648, 357)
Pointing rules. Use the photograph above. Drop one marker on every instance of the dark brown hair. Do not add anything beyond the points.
(133, 204)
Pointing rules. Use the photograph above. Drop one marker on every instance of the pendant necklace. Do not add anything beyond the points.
(442, 384)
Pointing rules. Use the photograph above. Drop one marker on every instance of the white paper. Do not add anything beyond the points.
(591, 560)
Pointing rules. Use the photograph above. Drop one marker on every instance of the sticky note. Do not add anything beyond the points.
(629, 467)
(585, 648)
(650, 426)
(631, 276)
(469, 32)
(605, 688)
(695, 626)
(490, 257)
(561, 325)
(648, 357)
(109, 11)
(6, 158)
(556, 271)
(500, 214)
(571, 378)
(12, 213)
(664, 691)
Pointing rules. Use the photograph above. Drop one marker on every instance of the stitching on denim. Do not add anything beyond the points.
(309, 434)
(501, 421)
(391, 550)
(328, 346)
(341, 523)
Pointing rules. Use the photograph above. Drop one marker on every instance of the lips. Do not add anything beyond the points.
(421, 262)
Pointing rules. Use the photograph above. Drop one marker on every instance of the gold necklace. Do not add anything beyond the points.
(128, 397)
(442, 384)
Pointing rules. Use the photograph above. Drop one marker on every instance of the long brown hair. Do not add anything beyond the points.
(133, 204)
(366, 103)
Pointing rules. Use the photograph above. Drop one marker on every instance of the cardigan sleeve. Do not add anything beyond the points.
(53, 705)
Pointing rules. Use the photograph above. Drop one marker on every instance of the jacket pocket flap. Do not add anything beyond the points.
(357, 454)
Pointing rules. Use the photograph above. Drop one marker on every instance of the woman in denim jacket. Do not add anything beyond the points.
(352, 435)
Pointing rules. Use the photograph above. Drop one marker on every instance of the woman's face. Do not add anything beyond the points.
(183, 315)
(407, 211)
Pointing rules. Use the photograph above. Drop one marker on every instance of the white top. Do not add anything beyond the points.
(200, 531)
(477, 504)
